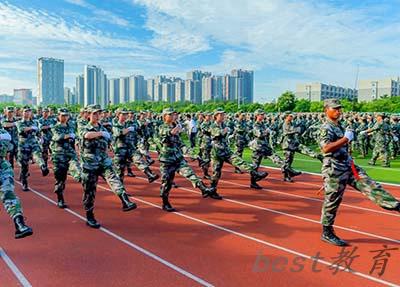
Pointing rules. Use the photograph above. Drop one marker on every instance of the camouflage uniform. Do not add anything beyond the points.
(46, 136)
(221, 153)
(205, 147)
(64, 156)
(291, 144)
(10, 201)
(172, 161)
(28, 145)
(125, 151)
(337, 173)
(12, 130)
(381, 132)
(260, 145)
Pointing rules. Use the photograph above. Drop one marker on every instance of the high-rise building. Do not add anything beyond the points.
(80, 90)
(369, 90)
(70, 96)
(124, 90)
(150, 89)
(189, 91)
(179, 90)
(137, 88)
(208, 89)
(168, 91)
(113, 90)
(23, 96)
(51, 81)
(6, 98)
(244, 81)
(316, 92)
(95, 87)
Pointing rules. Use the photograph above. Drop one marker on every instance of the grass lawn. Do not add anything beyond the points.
(377, 172)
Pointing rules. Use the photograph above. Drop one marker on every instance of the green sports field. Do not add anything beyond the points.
(377, 172)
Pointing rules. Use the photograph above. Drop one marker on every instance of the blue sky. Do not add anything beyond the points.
(285, 42)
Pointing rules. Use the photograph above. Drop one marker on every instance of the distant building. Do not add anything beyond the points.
(316, 92)
(51, 81)
(369, 90)
(23, 96)
(113, 91)
(6, 98)
(80, 90)
(96, 86)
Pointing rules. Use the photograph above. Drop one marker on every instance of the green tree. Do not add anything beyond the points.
(286, 102)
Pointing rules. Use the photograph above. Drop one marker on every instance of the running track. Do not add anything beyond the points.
(251, 238)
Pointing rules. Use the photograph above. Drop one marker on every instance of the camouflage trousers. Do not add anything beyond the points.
(90, 178)
(24, 155)
(233, 159)
(335, 185)
(258, 155)
(123, 158)
(289, 155)
(205, 155)
(362, 145)
(10, 201)
(12, 153)
(46, 150)
(168, 170)
(62, 165)
(380, 151)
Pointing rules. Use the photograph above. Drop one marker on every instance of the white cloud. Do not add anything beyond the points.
(102, 15)
(315, 41)
(29, 34)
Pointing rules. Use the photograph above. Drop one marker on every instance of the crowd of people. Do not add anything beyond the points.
(98, 142)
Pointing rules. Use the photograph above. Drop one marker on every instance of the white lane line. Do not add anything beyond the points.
(21, 278)
(132, 245)
(284, 214)
(310, 198)
(316, 199)
(320, 175)
(288, 250)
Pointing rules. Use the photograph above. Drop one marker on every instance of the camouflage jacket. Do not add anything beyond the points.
(219, 139)
(46, 133)
(381, 132)
(27, 138)
(3, 144)
(60, 145)
(94, 152)
(170, 145)
(261, 135)
(11, 130)
(290, 136)
(336, 162)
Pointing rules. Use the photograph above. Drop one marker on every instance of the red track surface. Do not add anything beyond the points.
(221, 243)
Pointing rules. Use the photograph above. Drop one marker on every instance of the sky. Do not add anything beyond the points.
(285, 42)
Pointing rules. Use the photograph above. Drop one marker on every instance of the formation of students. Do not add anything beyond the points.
(81, 146)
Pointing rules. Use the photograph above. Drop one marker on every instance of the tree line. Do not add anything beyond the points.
(286, 102)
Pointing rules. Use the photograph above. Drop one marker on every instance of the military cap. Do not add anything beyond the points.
(168, 111)
(93, 108)
(288, 113)
(45, 110)
(63, 111)
(26, 109)
(219, 111)
(380, 114)
(332, 103)
(122, 110)
(259, 112)
(9, 109)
